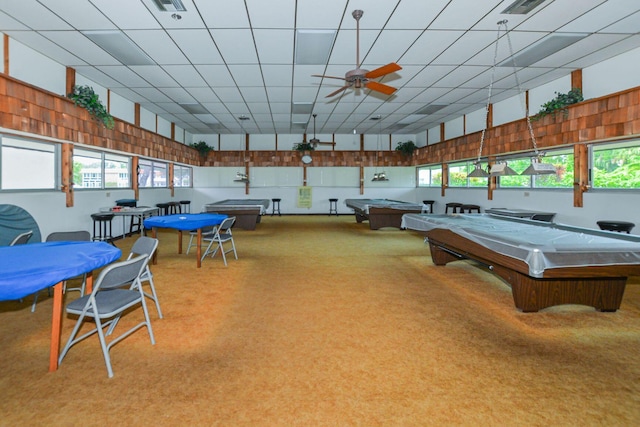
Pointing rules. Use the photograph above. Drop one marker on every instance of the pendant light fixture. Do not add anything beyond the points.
(242, 176)
(537, 167)
(501, 168)
(378, 176)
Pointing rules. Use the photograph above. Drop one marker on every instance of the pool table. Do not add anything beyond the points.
(247, 211)
(545, 264)
(382, 212)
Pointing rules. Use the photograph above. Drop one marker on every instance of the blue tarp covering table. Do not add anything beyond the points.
(185, 222)
(26, 269)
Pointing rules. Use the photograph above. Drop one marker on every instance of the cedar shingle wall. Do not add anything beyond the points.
(33, 110)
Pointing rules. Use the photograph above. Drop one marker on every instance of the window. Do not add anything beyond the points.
(458, 176)
(117, 171)
(430, 176)
(152, 174)
(616, 165)
(28, 165)
(93, 169)
(181, 176)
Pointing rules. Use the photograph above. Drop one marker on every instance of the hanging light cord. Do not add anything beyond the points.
(486, 111)
(520, 93)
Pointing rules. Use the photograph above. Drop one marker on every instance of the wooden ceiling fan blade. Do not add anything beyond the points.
(327, 77)
(343, 88)
(383, 71)
(379, 87)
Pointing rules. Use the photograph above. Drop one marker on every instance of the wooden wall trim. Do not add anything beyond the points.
(26, 108)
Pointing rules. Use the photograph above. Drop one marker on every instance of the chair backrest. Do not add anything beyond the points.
(121, 273)
(225, 226)
(144, 246)
(69, 236)
(22, 238)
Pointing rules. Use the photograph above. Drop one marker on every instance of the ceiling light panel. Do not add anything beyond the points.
(67, 47)
(120, 47)
(313, 46)
(544, 48)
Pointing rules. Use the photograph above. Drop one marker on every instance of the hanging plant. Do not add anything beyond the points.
(407, 148)
(85, 97)
(303, 146)
(202, 147)
(559, 103)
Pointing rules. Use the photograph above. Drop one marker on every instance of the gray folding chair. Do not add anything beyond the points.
(21, 238)
(67, 236)
(108, 302)
(206, 232)
(222, 235)
(146, 246)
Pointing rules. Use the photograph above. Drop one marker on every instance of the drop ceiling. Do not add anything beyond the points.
(223, 59)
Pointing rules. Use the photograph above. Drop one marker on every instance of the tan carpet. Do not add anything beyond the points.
(323, 322)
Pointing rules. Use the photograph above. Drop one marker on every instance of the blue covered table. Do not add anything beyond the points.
(27, 269)
(185, 222)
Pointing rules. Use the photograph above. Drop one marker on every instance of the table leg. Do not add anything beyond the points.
(199, 247)
(179, 241)
(56, 327)
(154, 233)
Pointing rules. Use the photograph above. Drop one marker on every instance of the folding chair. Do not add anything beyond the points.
(222, 235)
(206, 232)
(21, 238)
(146, 246)
(108, 302)
(67, 236)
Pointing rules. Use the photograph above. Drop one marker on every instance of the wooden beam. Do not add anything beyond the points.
(67, 173)
(576, 79)
(70, 81)
(6, 54)
(580, 174)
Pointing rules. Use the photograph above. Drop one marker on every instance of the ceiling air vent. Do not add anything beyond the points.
(170, 5)
(522, 7)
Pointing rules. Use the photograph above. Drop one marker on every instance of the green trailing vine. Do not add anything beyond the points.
(303, 146)
(559, 103)
(85, 97)
(407, 148)
(202, 147)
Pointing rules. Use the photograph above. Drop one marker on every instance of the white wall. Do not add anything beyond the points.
(51, 214)
(598, 205)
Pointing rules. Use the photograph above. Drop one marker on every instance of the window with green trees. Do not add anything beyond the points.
(616, 166)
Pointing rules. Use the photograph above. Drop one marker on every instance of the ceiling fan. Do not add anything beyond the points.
(315, 141)
(360, 77)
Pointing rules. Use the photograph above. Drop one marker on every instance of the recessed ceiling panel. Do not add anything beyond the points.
(196, 45)
(235, 45)
(278, 13)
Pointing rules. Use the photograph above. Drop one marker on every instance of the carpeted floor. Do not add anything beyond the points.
(323, 322)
